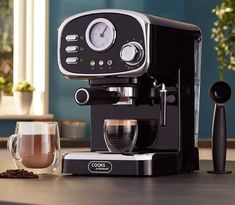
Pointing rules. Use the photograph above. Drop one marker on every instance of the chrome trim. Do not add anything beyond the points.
(197, 82)
(88, 32)
(126, 94)
(124, 91)
(145, 24)
(76, 100)
(128, 101)
(139, 51)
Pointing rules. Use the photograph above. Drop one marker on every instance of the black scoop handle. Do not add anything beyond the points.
(220, 92)
(219, 137)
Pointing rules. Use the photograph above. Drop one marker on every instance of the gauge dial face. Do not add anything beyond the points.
(100, 34)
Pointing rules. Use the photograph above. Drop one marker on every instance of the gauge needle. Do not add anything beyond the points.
(102, 34)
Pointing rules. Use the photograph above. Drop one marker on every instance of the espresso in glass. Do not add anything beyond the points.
(35, 146)
(120, 135)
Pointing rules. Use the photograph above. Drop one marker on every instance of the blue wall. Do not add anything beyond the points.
(197, 12)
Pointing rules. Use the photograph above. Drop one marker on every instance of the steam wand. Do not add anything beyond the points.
(162, 94)
(220, 92)
(163, 105)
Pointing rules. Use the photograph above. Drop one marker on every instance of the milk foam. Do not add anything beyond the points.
(36, 128)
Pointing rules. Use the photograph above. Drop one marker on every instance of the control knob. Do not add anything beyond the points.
(132, 53)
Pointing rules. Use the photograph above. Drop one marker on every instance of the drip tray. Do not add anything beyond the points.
(130, 164)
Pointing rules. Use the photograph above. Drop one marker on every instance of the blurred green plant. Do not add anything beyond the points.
(2, 82)
(24, 87)
(6, 85)
(6, 46)
(223, 33)
(6, 27)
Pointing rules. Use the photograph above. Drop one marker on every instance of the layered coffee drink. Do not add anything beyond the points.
(36, 146)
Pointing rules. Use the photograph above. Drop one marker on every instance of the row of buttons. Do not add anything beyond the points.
(101, 62)
(71, 49)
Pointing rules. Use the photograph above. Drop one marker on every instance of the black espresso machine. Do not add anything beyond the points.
(140, 67)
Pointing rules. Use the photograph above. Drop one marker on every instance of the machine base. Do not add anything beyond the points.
(105, 163)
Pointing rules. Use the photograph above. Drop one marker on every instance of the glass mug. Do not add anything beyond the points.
(35, 146)
(120, 135)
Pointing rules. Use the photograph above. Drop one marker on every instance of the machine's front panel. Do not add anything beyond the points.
(102, 43)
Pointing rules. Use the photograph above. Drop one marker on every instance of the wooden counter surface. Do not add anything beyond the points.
(198, 188)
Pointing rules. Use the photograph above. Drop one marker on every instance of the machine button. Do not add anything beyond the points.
(132, 53)
(71, 49)
(92, 63)
(72, 60)
(70, 38)
(109, 62)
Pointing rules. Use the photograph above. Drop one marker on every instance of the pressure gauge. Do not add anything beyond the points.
(100, 34)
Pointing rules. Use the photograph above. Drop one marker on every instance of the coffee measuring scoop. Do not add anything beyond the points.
(220, 92)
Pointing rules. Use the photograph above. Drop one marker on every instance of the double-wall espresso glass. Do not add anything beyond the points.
(120, 135)
(35, 146)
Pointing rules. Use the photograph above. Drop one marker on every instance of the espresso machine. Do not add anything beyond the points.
(139, 67)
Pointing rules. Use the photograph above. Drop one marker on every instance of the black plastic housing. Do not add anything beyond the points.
(171, 56)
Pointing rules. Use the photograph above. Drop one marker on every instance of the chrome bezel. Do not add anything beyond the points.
(140, 49)
(145, 24)
(88, 34)
(88, 96)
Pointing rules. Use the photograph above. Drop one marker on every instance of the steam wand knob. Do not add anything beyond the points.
(220, 92)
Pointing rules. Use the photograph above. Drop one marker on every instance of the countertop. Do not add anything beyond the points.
(197, 188)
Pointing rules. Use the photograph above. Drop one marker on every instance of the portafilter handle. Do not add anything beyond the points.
(93, 96)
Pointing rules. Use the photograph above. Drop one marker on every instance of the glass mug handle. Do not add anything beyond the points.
(12, 145)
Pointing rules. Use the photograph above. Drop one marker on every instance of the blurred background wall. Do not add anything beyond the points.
(61, 102)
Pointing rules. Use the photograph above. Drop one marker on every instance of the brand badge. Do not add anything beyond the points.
(100, 166)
